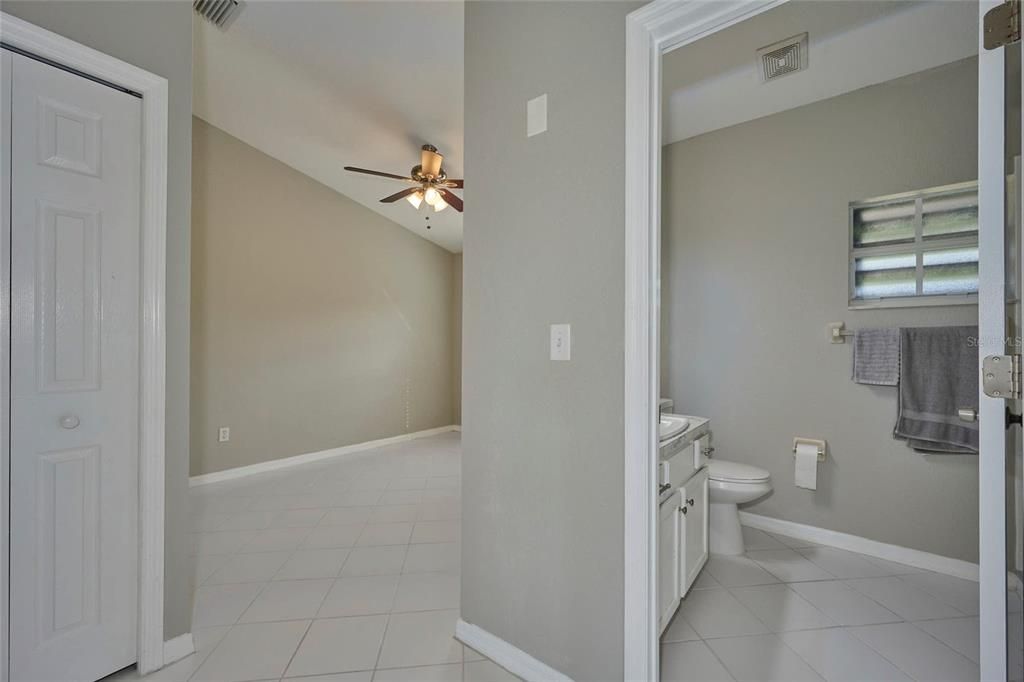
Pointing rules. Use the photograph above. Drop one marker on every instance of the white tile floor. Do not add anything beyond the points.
(792, 610)
(348, 571)
(342, 571)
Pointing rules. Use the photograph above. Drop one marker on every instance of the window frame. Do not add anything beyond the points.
(917, 248)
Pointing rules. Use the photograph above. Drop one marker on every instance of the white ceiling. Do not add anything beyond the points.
(322, 85)
(714, 83)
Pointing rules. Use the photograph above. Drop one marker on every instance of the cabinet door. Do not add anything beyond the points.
(668, 558)
(693, 541)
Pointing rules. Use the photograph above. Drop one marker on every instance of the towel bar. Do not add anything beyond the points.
(838, 333)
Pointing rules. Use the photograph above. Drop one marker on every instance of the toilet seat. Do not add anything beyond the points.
(734, 472)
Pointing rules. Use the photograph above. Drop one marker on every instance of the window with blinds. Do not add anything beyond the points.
(916, 248)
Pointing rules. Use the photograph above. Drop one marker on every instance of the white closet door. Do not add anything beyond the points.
(75, 166)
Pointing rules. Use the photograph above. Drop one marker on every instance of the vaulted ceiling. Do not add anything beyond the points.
(322, 85)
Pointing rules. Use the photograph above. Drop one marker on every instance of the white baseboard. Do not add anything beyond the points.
(288, 462)
(178, 648)
(509, 657)
(855, 543)
(457, 427)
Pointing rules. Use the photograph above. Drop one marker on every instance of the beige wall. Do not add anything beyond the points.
(542, 472)
(317, 323)
(156, 36)
(755, 265)
(457, 339)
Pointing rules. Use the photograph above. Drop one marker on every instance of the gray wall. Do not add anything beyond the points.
(316, 322)
(156, 36)
(754, 266)
(542, 476)
(457, 339)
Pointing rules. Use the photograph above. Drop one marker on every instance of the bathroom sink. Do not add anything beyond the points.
(671, 425)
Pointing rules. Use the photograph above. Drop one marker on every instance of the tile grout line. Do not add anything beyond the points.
(380, 647)
(905, 620)
(291, 658)
(884, 657)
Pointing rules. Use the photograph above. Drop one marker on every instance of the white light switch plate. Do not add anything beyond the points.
(537, 115)
(560, 343)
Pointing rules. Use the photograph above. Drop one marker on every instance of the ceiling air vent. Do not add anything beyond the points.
(783, 58)
(219, 12)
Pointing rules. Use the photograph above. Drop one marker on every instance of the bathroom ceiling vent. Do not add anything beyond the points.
(218, 12)
(783, 58)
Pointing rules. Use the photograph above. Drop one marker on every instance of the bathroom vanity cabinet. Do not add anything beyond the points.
(693, 532)
(682, 528)
(669, 532)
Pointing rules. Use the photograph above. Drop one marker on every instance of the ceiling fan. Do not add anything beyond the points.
(431, 184)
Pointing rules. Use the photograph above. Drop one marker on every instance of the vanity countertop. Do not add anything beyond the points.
(698, 426)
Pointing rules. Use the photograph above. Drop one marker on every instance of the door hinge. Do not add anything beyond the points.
(1002, 25)
(1001, 376)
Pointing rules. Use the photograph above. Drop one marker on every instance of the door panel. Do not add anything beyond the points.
(67, 506)
(75, 167)
(68, 291)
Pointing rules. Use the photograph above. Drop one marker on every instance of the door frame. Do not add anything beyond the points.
(152, 333)
(651, 31)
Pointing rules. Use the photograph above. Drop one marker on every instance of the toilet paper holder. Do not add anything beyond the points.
(820, 444)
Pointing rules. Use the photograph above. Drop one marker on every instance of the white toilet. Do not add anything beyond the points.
(731, 484)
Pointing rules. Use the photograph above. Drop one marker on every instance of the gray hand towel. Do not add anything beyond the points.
(938, 375)
(876, 356)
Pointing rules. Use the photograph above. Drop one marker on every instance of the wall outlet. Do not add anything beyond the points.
(560, 343)
(224, 434)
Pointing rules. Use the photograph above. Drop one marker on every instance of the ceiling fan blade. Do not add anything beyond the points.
(453, 183)
(379, 174)
(399, 195)
(451, 199)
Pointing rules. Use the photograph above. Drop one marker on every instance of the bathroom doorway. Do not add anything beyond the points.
(777, 152)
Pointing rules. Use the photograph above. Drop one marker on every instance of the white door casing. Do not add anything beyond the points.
(75, 174)
(31, 39)
(5, 355)
(652, 30)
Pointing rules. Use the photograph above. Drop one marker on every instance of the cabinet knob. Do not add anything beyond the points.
(663, 487)
(707, 452)
(682, 509)
(690, 502)
(69, 421)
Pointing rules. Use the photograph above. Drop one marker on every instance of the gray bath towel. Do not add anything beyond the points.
(938, 375)
(876, 356)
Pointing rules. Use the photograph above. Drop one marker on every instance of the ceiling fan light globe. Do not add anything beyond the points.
(416, 198)
(432, 196)
(440, 205)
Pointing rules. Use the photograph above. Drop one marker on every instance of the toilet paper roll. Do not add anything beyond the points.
(806, 474)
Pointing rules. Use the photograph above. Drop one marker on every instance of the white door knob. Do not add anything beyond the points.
(69, 421)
